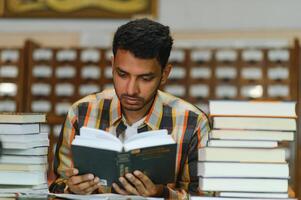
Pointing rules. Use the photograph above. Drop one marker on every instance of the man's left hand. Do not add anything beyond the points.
(138, 183)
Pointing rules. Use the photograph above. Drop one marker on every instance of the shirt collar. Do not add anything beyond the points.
(154, 116)
(152, 119)
(115, 110)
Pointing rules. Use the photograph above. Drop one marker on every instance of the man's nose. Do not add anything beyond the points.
(132, 87)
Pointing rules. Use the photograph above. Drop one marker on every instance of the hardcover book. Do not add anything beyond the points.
(12, 117)
(243, 184)
(264, 195)
(22, 177)
(274, 155)
(248, 135)
(255, 123)
(242, 143)
(104, 155)
(280, 109)
(19, 129)
(243, 169)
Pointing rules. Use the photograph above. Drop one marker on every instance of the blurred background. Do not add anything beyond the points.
(53, 52)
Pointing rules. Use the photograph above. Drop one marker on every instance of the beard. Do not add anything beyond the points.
(136, 103)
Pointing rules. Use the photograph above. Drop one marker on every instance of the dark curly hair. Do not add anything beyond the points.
(145, 39)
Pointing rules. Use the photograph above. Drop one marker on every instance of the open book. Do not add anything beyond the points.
(104, 155)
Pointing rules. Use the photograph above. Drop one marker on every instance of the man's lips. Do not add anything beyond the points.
(131, 100)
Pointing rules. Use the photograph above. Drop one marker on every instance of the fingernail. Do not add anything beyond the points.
(75, 171)
(90, 176)
(128, 175)
(96, 180)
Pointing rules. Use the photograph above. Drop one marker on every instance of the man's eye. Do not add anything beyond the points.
(147, 78)
(121, 74)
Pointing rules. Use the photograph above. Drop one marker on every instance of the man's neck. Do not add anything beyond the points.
(133, 116)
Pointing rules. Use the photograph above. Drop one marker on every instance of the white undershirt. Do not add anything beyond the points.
(131, 129)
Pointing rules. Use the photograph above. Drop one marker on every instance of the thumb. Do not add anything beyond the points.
(71, 172)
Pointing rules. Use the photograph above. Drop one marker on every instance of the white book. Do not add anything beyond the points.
(18, 129)
(243, 184)
(24, 137)
(20, 192)
(36, 151)
(22, 177)
(23, 190)
(23, 167)
(235, 198)
(247, 170)
(100, 139)
(242, 143)
(252, 108)
(13, 117)
(252, 135)
(107, 196)
(31, 187)
(25, 145)
(255, 123)
(274, 155)
(8, 196)
(9, 159)
(254, 195)
(24, 141)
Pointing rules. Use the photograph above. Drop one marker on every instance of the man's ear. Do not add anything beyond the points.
(165, 74)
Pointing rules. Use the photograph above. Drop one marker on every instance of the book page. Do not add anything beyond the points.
(97, 138)
(146, 134)
(103, 197)
(97, 143)
(97, 133)
(100, 139)
(148, 139)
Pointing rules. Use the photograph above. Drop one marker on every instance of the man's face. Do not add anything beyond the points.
(136, 80)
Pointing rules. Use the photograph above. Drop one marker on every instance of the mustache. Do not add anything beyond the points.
(131, 97)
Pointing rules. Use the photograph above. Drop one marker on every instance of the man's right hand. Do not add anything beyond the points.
(82, 184)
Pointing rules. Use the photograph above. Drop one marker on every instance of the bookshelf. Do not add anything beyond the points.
(226, 73)
(12, 70)
(57, 77)
(51, 79)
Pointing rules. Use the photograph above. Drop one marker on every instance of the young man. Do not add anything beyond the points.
(141, 50)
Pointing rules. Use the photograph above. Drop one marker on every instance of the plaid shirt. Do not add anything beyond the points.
(187, 124)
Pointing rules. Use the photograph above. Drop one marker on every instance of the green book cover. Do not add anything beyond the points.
(102, 154)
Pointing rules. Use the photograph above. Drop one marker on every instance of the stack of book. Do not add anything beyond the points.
(244, 157)
(23, 163)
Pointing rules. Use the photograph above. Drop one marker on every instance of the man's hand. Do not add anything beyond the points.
(82, 184)
(138, 183)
